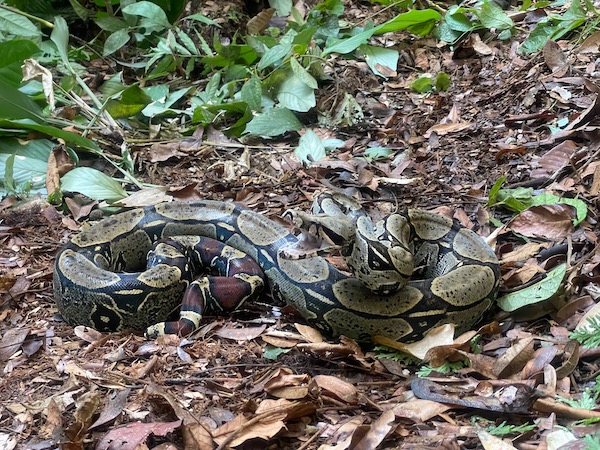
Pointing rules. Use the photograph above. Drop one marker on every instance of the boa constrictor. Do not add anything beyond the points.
(99, 280)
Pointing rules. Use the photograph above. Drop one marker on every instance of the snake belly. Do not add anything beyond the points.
(92, 286)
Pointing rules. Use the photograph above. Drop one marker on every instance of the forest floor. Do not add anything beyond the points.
(262, 379)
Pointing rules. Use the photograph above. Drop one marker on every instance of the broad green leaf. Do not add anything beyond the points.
(9, 181)
(116, 41)
(538, 37)
(18, 25)
(535, 293)
(12, 55)
(374, 153)
(60, 37)
(348, 45)
(283, 7)
(457, 20)
(296, 95)
(110, 23)
(273, 122)
(27, 162)
(310, 148)
(16, 105)
(237, 112)
(276, 54)
(422, 85)
(130, 102)
(154, 13)
(400, 22)
(251, 93)
(407, 20)
(303, 74)
(492, 16)
(67, 136)
(272, 353)
(375, 56)
(93, 184)
(442, 81)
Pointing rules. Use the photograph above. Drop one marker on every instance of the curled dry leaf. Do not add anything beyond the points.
(514, 359)
(284, 384)
(241, 334)
(442, 335)
(11, 342)
(377, 432)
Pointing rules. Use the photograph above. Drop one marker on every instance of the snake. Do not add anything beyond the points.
(407, 273)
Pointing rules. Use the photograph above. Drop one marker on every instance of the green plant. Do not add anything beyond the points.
(588, 336)
(447, 367)
(505, 429)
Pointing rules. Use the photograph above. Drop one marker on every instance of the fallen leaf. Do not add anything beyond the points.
(133, 435)
(550, 222)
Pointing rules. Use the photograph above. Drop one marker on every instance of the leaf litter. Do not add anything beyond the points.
(225, 387)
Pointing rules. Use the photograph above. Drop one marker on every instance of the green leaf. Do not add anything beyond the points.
(251, 93)
(9, 181)
(152, 12)
(60, 37)
(492, 16)
(130, 102)
(535, 293)
(457, 20)
(407, 20)
(16, 105)
(273, 353)
(442, 81)
(28, 161)
(422, 85)
(296, 95)
(493, 195)
(93, 184)
(202, 18)
(375, 56)
(303, 74)
(273, 122)
(18, 25)
(310, 148)
(67, 136)
(116, 41)
(12, 55)
(374, 153)
(538, 37)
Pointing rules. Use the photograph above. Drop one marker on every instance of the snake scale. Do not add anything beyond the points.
(411, 271)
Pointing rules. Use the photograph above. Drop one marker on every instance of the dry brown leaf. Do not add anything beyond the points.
(419, 410)
(524, 252)
(491, 442)
(284, 384)
(331, 386)
(241, 334)
(514, 359)
(310, 334)
(377, 432)
(442, 335)
(260, 22)
(197, 437)
(554, 57)
(115, 402)
(551, 222)
(542, 357)
(555, 159)
(133, 435)
(11, 342)
(240, 429)
(591, 44)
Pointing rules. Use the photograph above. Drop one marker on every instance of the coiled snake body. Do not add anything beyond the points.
(96, 283)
